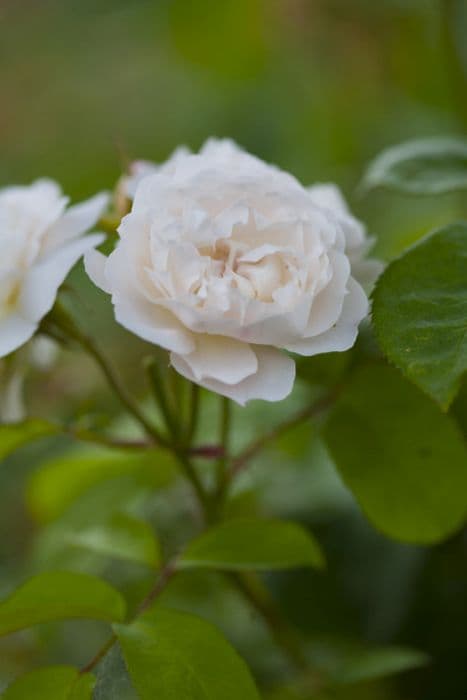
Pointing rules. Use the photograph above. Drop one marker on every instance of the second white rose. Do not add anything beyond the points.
(225, 260)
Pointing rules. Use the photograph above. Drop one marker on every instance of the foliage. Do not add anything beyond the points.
(167, 544)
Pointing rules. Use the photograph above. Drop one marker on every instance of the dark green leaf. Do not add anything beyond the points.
(420, 312)
(173, 655)
(403, 458)
(51, 683)
(428, 166)
(253, 543)
(113, 681)
(60, 596)
(367, 664)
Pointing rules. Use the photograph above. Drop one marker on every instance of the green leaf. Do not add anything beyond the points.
(253, 543)
(61, 481)
(51, 683)
(420, 312)
(15, 435)
(112, 678)
(368, 664)
(403, 458)
(425, 167)
(122, 537)
(60, 596)
(82, 689)
(171, 655)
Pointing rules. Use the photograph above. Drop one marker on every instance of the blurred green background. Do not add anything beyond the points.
(318, 87)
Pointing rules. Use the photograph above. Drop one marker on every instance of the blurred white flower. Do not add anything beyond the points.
(12, 407)
(40, 354)
(40, 241)
(223, 259)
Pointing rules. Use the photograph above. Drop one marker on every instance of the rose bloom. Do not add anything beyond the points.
(224, 260)
(41, 240)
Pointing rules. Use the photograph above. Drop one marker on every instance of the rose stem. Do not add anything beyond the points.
(60, 316)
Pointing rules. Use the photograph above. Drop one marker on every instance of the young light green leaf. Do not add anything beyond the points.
(424, 167)
(51, 683)
(15, 435)
(121, 536)
(59, 482)
(60, 596)
(420, 312)
(253, 543)
(404, 460)
(171, 655)
(83, 688)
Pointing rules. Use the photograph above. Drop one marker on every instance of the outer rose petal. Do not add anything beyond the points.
(222, 359)
(329, 196)
(273, 380)
(138, 315)
(77, 219)
(343, 334)
(94, 264)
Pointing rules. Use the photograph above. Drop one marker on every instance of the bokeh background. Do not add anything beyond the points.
(318, 87)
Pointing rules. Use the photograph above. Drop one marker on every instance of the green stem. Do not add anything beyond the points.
(192, 475)
(224, 438)
(194, 414)
(62, 319)
(242, 460)
(286, 637)
(160, 393)
(166, 574)
(251, 587)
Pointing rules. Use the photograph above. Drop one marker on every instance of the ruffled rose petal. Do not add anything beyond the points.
(343, 334)
(224, 258)
(273, 380)
(222, 359)
(137, 314)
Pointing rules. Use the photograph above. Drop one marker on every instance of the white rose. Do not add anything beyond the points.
(223, 260)
(40, 241)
